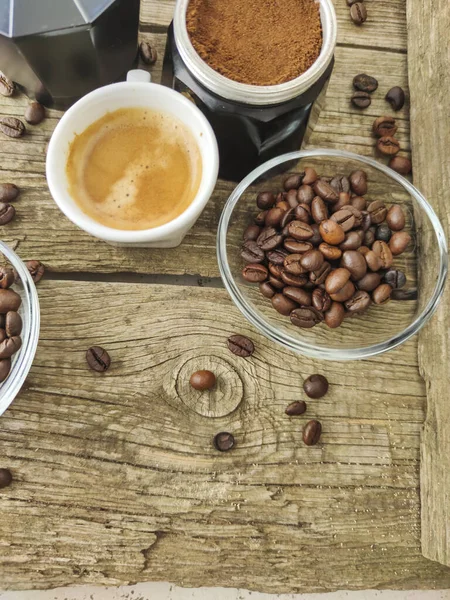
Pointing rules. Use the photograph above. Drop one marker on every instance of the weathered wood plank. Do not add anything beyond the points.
(116, 480)
(428, 70)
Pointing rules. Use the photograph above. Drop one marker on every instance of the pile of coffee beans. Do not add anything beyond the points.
(10, 321)
(358, 11)
(320, 251)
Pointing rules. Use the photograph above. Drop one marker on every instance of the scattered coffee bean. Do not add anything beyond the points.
(335, 315)
(5, 368)
(98, 359)
(5, 478)
(399, 242)
(12, 127)
(8, 192)
(306, 317)
(255, 273)
(382, 294)
(7, 213)
(265, 200)
(358, 13)
(396, 98)
(13, 324)
(241, 346)
(395, 218)
(36, 270)
(358, 182)
(383, 233)
(35, 113)
(312, 433)
(7, 86)
(388, 145)
(293, 182)
(384, 127)
(224, 441)
(361, 100)
(148, 53)
(315, 386)
(363, 82)
(401, 165)
(296, 409)
(395, 278)
(7, 277)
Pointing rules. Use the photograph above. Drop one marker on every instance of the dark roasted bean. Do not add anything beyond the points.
(336, 280)
(359, 202)
(369, 282)
(98, 359)
(305, 194)
(293, 182)
(382, 294)
(383, 251)
(6, 277)
(8, 192)
(251, 233)
(283, 305)
(377, 211)
(148, 53)
(358, 182)
(269, 239)
(325, 191)
(35, 113)
(7, 213)
(297, 246)
(355, 263)
(345, 218)
(411, 294)
(359, 302)
(9, 300)
(265, 200)
(255, 273)
(224, 441)
(383, 233)
(388, 145)
(363, 82)
(252, 253)
(278, 256)
(399, 242)
(330, 252)
(316, 386)
(334, 316)
(260, 218)
(353, 241)
(12, 127)
(401, 164)
(266, 290)
(300, 231)
(361, 99)
(321, 300)
(298, 295)
(240, 346)
(306, 317)
(318, 277)
(5, 477)
(13, 324)
(293, 264)
(384, 126)
(7, 87)
(395, 278)
(296, 409)
(302, 213)
(358, 13)
(310, 176)
(294, 280)
(396, 98)
(319, 210)
(395, 218)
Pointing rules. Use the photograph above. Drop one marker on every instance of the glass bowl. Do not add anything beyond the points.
(380, 328)
(29, 311)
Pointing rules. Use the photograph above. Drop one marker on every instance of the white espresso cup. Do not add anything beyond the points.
(136, 92)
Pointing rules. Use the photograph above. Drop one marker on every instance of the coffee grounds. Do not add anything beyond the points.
(258, 42)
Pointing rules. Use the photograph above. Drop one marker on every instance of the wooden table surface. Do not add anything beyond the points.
(115, 477)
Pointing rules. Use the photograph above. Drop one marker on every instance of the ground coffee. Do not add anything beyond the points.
(258, 42)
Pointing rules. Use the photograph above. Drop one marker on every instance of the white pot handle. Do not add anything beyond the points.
(139, 76)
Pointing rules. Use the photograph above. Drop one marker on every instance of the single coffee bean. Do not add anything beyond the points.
(377, 211)
(274, 217)
(6, 277)
(12, 127)
(265, 200)
(288, 216)
(411, 294)
(7, 87)
(334, 316)
(98, 359)
(330, 252)
(395, 218)
(297, 246)
(292, 264)
(5, 478)
(382, 294)
(35, 113)
(312, 260)
(148, 53)
(251, 233)
(260, 218)
(275, 270)
(366, 220)
(252, 253)
(373, 261)
(36, 270)
(399, 242)
(401, 164)
(359, 203)
(283, 305)
(384, 253)
(318, 277)
(344, 201)
(302, 213)
(293, 280)
(358, 182)
(369, 238)
(384, 126)
(357, 215)
(276, 283)
(316, 386)
(363, 82)
(300, 231)
(325, 191)
(269, 239)
(305, 194)
(296, 409)
(306, 317)
(395, 278)
(10, 346)
(224, 441)
(240, 346)
(203, 380)
(383, 233)
(353, 241)
(388, 145)
(345, 293)
(340, 184)
(331, 232)
(266, 290)
(369, 282)
(8, 192)
(359, 302)
(7, 213)
(5, 368)
(278, 256)
(255, 273)
(336, 280)
(298, 295)
(291, 198)
(310, 176)
(13, 324)
(345, 218)
(9, 300)
(293, 182)
(355, 263)
(358, 13)
(316, 238)
(361, 100)
(396, 98)
(321, 300)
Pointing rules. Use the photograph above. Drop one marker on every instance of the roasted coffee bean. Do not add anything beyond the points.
(395, 278)
(318, 277)
(302, 213)
(359, 202)
(294, 280)
(7, 213)
(355, 263)
(36, 270)
(306, 317)
(312, 260)
(251, 233)
(384, 253)
(267, 290)
(411, 294)
(5, 368)
(330, 252)
(388, 145)
(358, 13)
(276, 283)
(274, 216)
(384, 126)
(357, 215)
(377, 211)
(148, 53)
(305, 194)
(12, 127)
(296, 409)
(335, 315)
(6, 278)
(395, 218)
(269, 239)
(203, 380)
(316, 239)
(325, 191)
(401, 164)
(293, 265)
(369, 282)
(340, 184)
(296, 246)
(358, 182)
(7, 87)
(293, 182)
(283, 305)
(383, 233)
(280, 197)
(291, 199)
(240, 345)
(9, 300)
(284, 205)
(321, 300)
(353, 241)
(265, 200)
(361, 100)
(345, 293)
(331, 232)
(3, 335)
(363, 82)
(13, 324)
(344, 200)
(5, 478)
(288, 216)
(298, 295)
(275, 270)
(336, 280)
(369, 238)
(10, 346)
(300, 231)
(396, 98)
(316, 386)
(252, 253)
(224, 441)
(382, 294)
(255, 273)
(366, 220)
(399, 242)
(277, 257)
(310, 176)
(260, 218)
(359, 302)
(373, 261)
(8, 192)
(345, 218)
(319, 211)
(98, 359)
(35, 113)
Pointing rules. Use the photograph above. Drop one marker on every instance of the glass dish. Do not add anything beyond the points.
(381, 328)
(30, 313)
